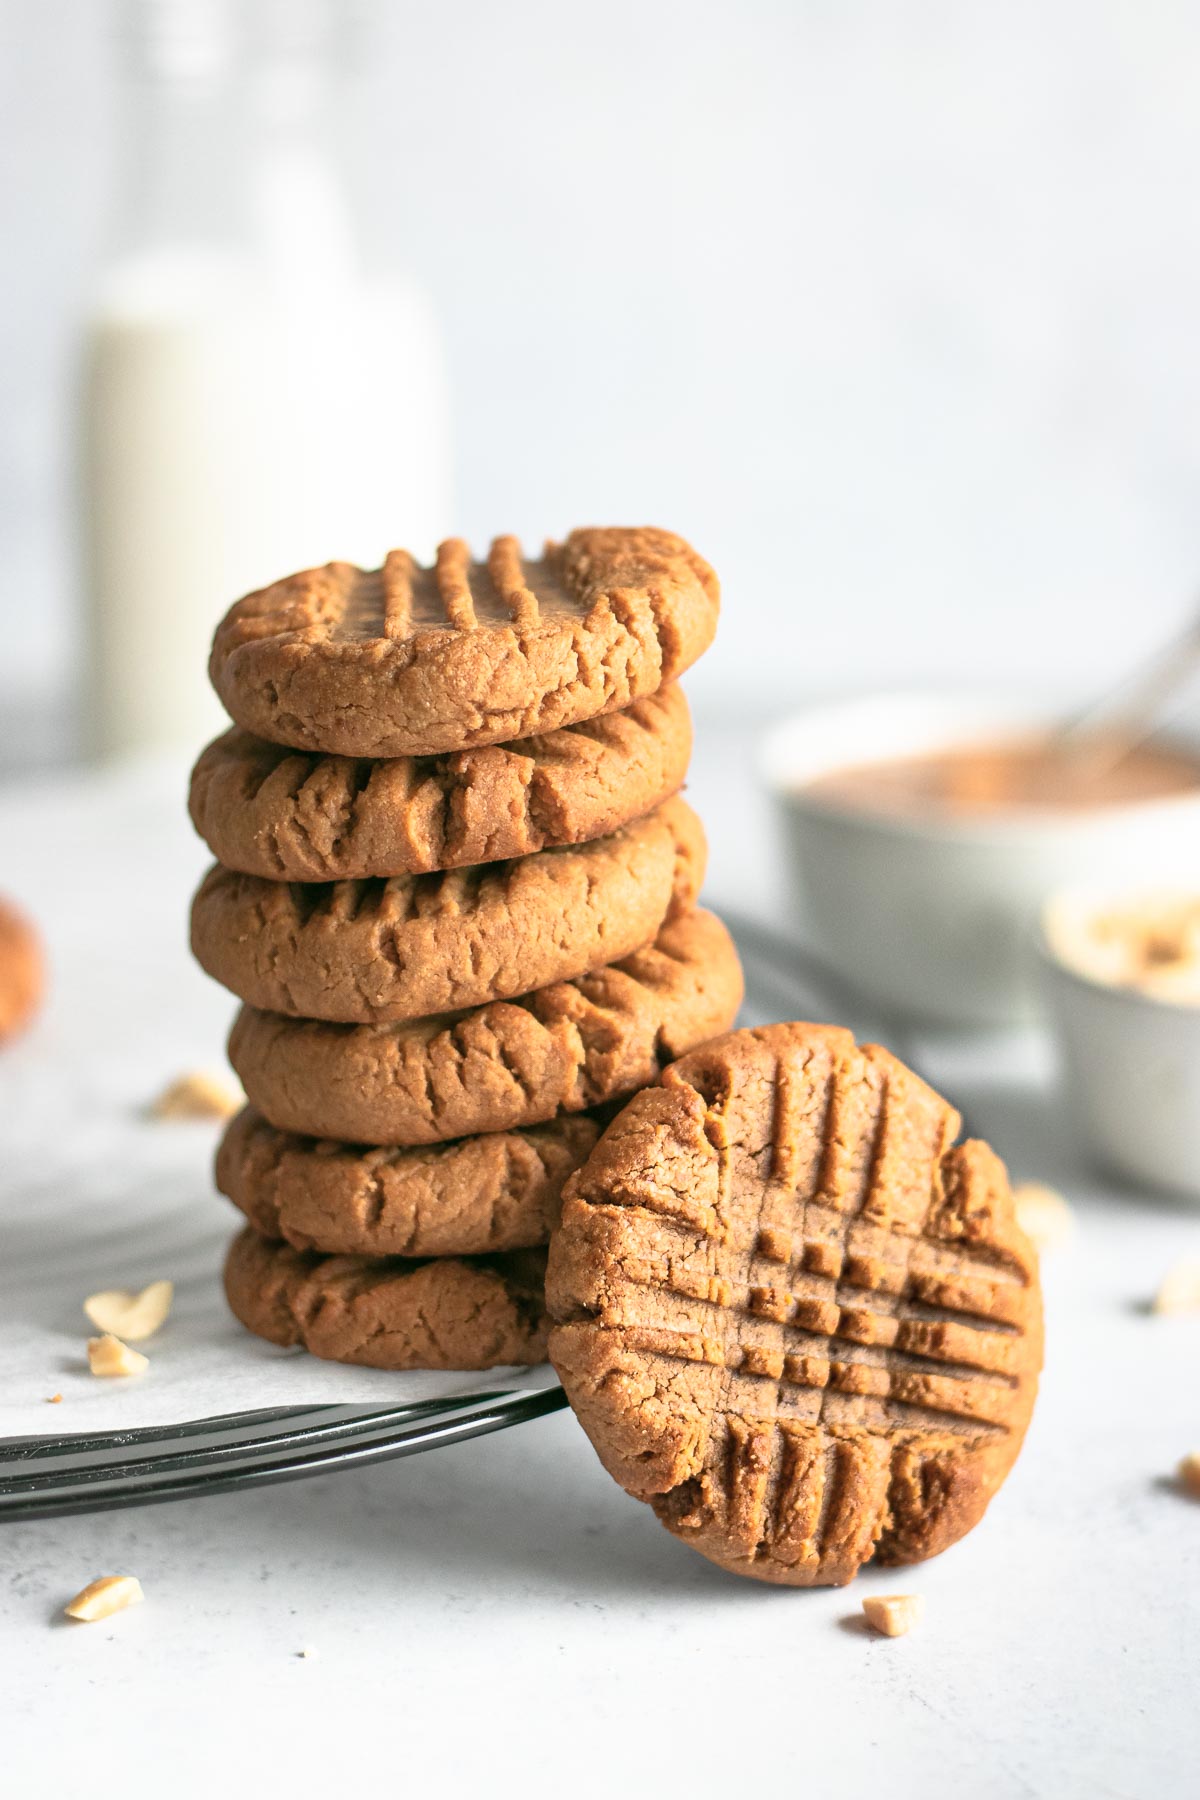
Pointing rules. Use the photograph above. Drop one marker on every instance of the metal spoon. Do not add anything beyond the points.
(1106, 730)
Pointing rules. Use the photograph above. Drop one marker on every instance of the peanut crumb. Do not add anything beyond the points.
(1180, 1290)
(893, 1614)
(307, 1652)
(1189, 1474)
(196, 1096)
(131, 1316)
(107, 1355)
(104, 1596)
(53, 1399)
(1043, 1215)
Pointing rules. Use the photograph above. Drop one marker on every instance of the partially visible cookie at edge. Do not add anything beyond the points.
(22, 971)
(497, 1191)
(793, 1315)
(406, 661)
(391, 1313)
(294, 815)
(498, 1067)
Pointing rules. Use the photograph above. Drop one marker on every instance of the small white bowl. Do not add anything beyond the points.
(1130, 1065)
(933, 914)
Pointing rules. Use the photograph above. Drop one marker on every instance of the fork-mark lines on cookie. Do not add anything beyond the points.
(396, 900)
(910, 1355)
(455, 594)
(322, 778)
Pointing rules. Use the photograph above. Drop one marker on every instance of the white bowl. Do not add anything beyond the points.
(934, 915)
(1130, 1066)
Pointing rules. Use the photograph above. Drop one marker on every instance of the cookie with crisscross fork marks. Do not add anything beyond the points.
(499, 1190)
(409, 661)
(499, 1067)
(791, 1314)
(292, 815)
(391, 1312)
(365, 951)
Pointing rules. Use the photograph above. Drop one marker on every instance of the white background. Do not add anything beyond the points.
(892, 308)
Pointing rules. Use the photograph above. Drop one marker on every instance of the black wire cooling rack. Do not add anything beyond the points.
(43, 1477)
(93, 1471)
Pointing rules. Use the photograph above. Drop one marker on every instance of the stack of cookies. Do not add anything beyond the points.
(455, 893)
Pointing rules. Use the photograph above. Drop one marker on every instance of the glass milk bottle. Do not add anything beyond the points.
(252, 402)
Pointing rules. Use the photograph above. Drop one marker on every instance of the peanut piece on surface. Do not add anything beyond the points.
(893, 1614)
(106, 1595)
(1180, 1289)
(131, 1316)
(1043, 1215)
(195, 1096)
(107, 1355)
(1189, 1474)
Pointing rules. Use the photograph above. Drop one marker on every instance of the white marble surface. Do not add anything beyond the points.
(501, 1613)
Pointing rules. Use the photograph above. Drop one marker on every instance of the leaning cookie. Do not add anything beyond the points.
(498, 1067)
(498, 1191)
(406, 661)
(22, 973)
(366, 952)
(292, 815)
(389, 1313)
(791, 1314)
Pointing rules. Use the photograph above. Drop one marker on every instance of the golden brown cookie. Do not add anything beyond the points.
(390, 1312)
(790, 1315)
(500, 1191)
(292, 815)
(498, 1067)
(22, 973)
(365, 952)
(405, 661)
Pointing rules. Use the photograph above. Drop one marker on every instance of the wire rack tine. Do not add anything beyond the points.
(100, 1498)
(214, 1455)
(26, 1449)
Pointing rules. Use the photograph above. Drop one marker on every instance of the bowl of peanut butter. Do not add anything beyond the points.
(1120, 977)
(923, 833)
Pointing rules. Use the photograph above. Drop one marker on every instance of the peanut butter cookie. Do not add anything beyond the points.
(391, 1313)
(501, 1066)
(791, 1314)
(500, 1191)
(291, 815)
(405, 661)
(364, 952)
